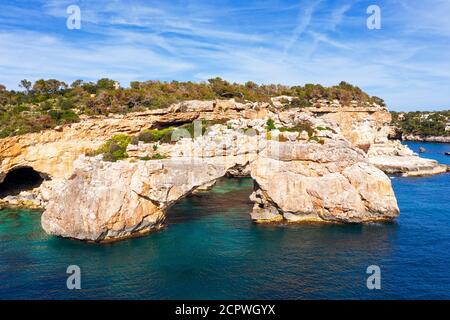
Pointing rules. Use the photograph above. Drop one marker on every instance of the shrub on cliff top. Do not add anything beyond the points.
(270, 125)
(300, 127)
(63, 102)
(114, 149)
(155, 135)
(316, 139)
(299, 103)
(156, 156)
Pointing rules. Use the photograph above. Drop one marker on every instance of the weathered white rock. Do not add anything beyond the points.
(53, 152)
(408, 165)
(124, 199)
(312, 182)
(296, 181)
(440, 139)
(394, 158)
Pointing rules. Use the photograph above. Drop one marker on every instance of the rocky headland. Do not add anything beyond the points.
(438, 139)
(320, 163)
(425, 126)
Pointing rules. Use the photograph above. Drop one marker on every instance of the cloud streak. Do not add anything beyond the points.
(273, 41)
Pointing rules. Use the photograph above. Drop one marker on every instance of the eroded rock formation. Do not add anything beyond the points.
(394, 158)
(295, 180)
(327, 174)
(313, 182)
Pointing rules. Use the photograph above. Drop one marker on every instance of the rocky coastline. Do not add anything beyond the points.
(436, 139)
(322, 163)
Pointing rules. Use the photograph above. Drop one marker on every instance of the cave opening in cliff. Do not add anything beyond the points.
(20, 179)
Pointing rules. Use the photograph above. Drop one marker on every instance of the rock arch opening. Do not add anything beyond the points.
(228, 195)
(21, 179)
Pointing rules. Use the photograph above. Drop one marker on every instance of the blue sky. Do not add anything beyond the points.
(407, 62)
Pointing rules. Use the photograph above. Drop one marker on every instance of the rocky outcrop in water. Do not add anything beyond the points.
(394, 158)
(313, 182)
(439, 139)
(53, 151)
(294, 180)
(317, 164)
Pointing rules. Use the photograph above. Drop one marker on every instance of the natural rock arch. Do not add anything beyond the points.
(21, 178)
(330, 182)
(228, 191)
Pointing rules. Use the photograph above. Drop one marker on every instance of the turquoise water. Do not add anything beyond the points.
(211, 250)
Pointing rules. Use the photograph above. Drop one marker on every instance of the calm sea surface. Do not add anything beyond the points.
(211, 250)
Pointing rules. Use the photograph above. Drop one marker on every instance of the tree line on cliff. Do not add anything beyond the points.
(48, 103)
(422, 123)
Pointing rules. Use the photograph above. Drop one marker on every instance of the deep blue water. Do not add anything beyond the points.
(211, 250)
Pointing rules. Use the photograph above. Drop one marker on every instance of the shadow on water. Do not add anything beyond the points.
(225, 195)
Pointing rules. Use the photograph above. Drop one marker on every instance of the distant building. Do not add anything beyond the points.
(116, 85)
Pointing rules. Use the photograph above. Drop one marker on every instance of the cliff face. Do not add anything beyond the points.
(325, 173)
(53, 151)
(294, 180)
(313, 182)
(361, 125)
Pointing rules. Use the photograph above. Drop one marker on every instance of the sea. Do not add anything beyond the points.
(210, 249)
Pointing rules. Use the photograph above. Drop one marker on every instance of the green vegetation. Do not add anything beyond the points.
(316, 139)
(45, 104)
(169, 135)
(300, 127)
(24, 118)
(323, 128)
(299, 103)
(422, 123)
(270, 125)
(156, 156)
(205, 125)
(163, 135)
(114, 149)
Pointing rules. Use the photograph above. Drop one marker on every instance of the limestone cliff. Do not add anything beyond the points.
(317, 163)
(53, 151)
(394, 158)
(295, 180)
(330, 182)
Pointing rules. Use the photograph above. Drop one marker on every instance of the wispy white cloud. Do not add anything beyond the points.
(338, 14)
(304, 20)
(272, 41)
(32, 55)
